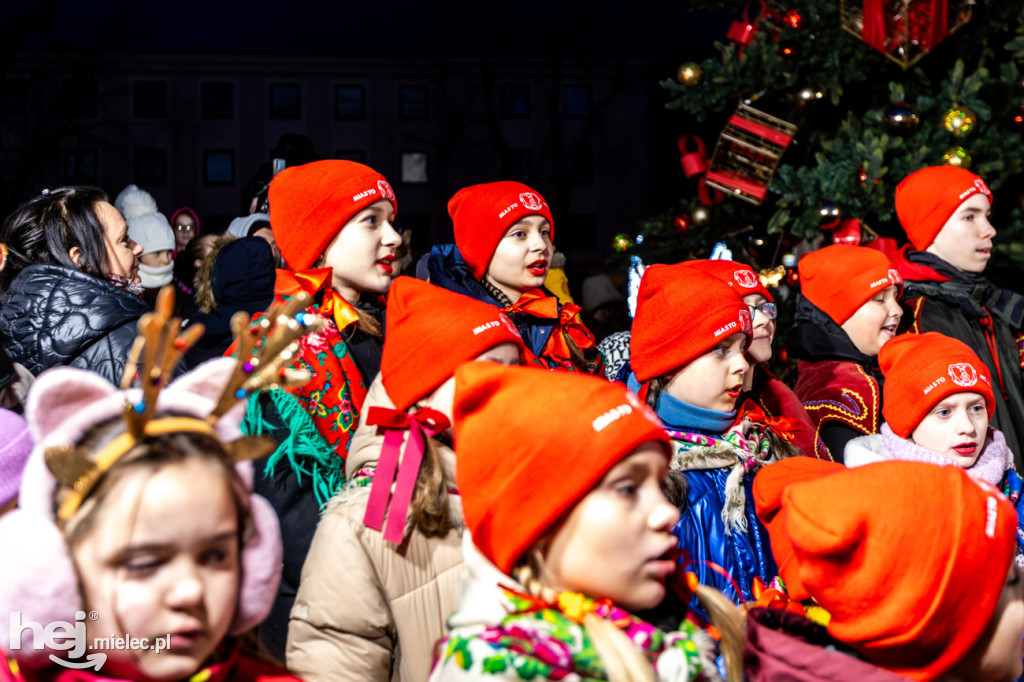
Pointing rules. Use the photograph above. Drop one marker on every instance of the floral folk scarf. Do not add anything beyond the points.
(546, 640)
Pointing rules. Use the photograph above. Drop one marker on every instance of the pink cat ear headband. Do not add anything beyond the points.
(41, 582)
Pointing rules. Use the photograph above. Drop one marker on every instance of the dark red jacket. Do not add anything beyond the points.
(778, 400)
(785, 647)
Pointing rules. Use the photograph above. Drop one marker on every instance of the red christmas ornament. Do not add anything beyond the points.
(783, 356)
(681, 224)
(793, 19)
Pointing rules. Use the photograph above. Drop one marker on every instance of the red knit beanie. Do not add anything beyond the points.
(841, 278)
(737, 275)
(769, 484)
(309, 204)
(482, 213)
(908, 558)
(681, 313)
(921, 370)
(926, 198)
(531, 443)
(431, 331)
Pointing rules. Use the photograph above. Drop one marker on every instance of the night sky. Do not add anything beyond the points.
(661, 31)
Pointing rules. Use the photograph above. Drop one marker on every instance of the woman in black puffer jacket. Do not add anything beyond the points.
(70, 285)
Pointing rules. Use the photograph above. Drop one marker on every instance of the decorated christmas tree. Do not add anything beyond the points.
(796, 133)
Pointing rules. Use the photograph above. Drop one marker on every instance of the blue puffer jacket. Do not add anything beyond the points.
(701, 532)
(449, 271)
(707, 449)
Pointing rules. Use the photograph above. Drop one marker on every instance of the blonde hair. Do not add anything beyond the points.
(430, 498)
(622, 659)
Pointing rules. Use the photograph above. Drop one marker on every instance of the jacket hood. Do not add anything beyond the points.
(448, 270)
(244, 272)
(50, 315)
(815, 336)
(237, 273)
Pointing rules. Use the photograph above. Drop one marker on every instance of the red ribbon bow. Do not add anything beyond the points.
(311, 282)
(402, 474)
(696, 163)
(535, 302)
(772, 598)
(784, 427)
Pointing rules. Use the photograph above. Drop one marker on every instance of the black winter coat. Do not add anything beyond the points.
(52, 315)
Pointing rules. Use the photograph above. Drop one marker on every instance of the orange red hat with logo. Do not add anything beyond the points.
(909, 559)
(431, 331)
(482, 213)
(769, 484)
(926, 199)
(737, 275)
(921, 370)
(840, 278)
(521, 465)
(681, 313)
(309, 204)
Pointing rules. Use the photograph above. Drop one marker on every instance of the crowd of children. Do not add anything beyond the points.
(396, 479)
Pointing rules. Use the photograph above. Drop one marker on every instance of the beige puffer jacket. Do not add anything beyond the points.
(366, 609)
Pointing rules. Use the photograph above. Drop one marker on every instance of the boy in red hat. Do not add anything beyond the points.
(945, 212)
(938, 398)
(688, 356)
(913, 562)
(846, 311)
(502, 255)
(774, 398)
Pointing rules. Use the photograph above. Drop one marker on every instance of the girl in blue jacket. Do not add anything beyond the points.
(690, 334)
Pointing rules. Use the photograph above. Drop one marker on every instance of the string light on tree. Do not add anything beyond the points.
(793, 19)
(622, 242)
(960, 121)
(789, 50)
(829, 215)
(700, 215)
(681, 224)
(1017, 120)
(957, 156)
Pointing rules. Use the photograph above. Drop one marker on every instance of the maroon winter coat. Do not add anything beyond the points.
(785, 647)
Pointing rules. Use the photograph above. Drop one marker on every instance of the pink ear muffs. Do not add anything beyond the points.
(38, 579)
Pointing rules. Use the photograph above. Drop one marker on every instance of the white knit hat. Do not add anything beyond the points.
(146, 224)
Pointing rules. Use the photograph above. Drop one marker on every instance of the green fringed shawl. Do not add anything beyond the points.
(307, 452)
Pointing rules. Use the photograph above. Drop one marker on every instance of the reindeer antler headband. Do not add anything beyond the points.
(264, 349)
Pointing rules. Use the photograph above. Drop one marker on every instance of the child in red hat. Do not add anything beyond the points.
(687, 352)
(333, 224)
(938, 400)
(945, 212)
(776, 399)
(407, 566)
(570, 536)
(846, 311)
(502, 254)
(913, 562)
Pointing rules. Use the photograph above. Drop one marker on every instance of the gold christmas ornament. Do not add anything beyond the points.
(690, 74)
